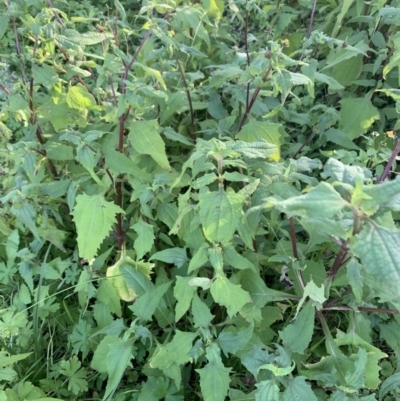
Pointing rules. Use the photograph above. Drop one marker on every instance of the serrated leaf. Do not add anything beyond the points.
(267, 390)
(377, 247)
(357, 115)
(299, 390)
(230, 295)
(93, 217)
(146, 140)
(270, 132)
(145, 238)
(322, 200)
(76, 375)
(171, 356)
(214, 378)
(220, 212)
(297, 335)
(183, 293)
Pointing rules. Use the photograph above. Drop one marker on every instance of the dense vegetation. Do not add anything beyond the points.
(199, 200)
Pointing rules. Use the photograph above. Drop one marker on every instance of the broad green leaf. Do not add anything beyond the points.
(201, 312)
(230, 295)
(3, 25)
(107, 294)
(220, 212)
(260, 294)
(346, 174)
(146, 140)
(78, 97)
(214, 8)
(270, 132)
(176, 256)
(145, 306)
(99, 360)
(357, 115)
(345, 6)
(117, 361)
(214, 378)
(377, 247)
(199, 258)
(322, 200)
(183, 293)
(145, 238)
(348, 70)
(153, 73)
(171, 356)
(94, 218)
(297, 335)
(44, 75)
(236, 260)
(267, 390)
(121, 164)
(355, 278)
(299, 390)
(232, 341)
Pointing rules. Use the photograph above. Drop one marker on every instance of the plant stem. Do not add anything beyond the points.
(189, 98)
(59, 20)
(338, 263)
(246, 47)
(120, 234)
(254, 97)
(311, 19)
(295, 251)
(389, 164)
(308, 140)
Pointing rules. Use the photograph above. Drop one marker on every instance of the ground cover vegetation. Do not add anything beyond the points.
(199, 200)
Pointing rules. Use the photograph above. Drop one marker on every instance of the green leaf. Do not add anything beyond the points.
(270, 132)
(171, 356)
(177, 256)
(44, 75)
(145, 306)
(297, 335)
(267, 390)
(78, 97)
(183, 293)
(232, 296)
(94, 217)
(121, 164)
(219, 214)
(76, 375)
(201, 312)
(107, 294)
(299, 390)
(357, 115)
(322, 200)
(117, 361)
(390, 384)
(146, 140)
(377, 247)
(232, 341)
(145, 238)
(234, 259)
(214, 379)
